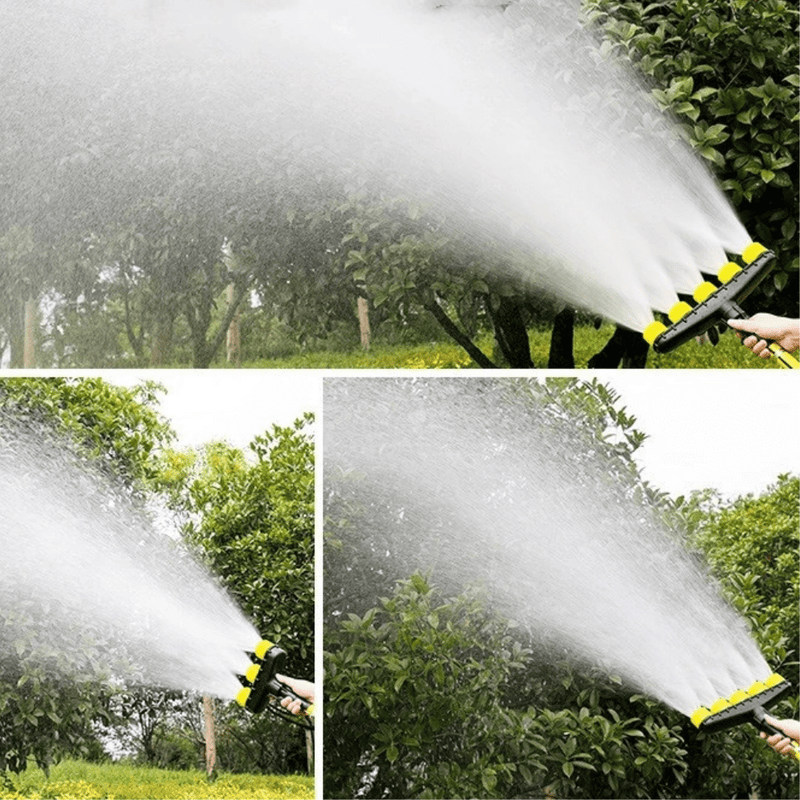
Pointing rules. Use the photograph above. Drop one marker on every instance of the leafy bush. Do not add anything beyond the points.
(728, 70)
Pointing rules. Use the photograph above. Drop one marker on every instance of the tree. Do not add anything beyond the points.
(253, 521)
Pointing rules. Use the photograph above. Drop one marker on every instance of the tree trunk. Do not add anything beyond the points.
(162, 338)
(562, 340)
(310, 750)
(199, 320)
(625, 347)
(233, 340)
(452, 329)
(510, 332)
(16, 334)
(210, 735)
(363, 322)
(29, 348)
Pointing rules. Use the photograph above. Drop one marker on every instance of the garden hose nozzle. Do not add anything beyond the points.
(259, 682)
(717, 302)
(744, 705)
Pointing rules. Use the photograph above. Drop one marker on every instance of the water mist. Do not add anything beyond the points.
(93, 576)
(497, 483)
(506, 123)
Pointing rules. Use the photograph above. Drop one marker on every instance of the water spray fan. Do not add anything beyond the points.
(717, 303)
(261, 687)
(745, 705)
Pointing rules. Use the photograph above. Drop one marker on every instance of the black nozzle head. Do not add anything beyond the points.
(742, 706)
(258, 680)
(713, 304)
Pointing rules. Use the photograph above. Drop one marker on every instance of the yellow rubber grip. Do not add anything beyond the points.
(785, 358)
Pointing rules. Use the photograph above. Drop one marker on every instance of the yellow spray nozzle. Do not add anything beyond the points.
(737, 697)
(262, 647)
(755, 688)
(752, 252)
(699, 715)
(252, 672)
(704, 291)
(727, 271)
(242, 696)
(653, 331)
(773, 680)
(679, 311)
(719, 705)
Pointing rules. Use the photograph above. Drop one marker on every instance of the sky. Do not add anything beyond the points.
(233, 406)
(732, 430)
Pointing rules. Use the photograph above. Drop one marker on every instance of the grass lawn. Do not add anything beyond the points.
(728, 354)
(78, 780)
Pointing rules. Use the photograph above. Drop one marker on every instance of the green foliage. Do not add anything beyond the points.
(728, 70)
(114, 423)
(412, 690)
(431, 697)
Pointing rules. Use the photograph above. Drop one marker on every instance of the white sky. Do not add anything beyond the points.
(229, 405)
(732, 430)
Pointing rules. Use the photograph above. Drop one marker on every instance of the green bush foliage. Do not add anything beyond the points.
(727, 69)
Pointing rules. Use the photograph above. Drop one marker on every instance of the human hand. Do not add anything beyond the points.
(300, 687)
(782, 744)
(784, 331)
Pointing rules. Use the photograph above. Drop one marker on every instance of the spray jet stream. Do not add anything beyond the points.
(745, 705)
(260, 685)
(717, 302)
